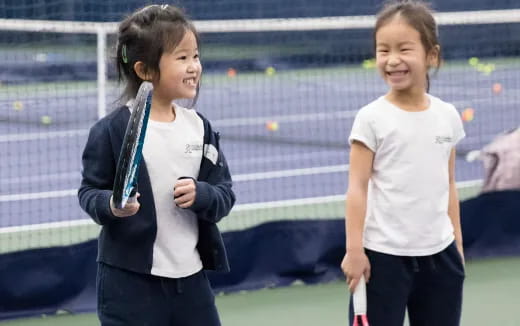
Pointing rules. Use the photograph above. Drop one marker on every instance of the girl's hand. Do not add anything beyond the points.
(130, 208)
(354, 264)
(184, 192)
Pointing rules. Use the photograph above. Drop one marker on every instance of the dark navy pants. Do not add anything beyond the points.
(430, 287)
(133, 299)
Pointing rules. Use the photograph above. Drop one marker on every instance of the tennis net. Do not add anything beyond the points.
(282, 92)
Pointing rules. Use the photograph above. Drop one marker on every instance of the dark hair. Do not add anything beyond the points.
(419, 16)
(144, 36)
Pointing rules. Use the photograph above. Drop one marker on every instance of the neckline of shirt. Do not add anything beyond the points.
(397, 108)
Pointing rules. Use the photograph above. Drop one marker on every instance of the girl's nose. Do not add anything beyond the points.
(194, 65)
(394, 60)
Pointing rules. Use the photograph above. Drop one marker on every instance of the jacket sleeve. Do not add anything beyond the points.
(214, 198)
(97, 175)
(214, 194)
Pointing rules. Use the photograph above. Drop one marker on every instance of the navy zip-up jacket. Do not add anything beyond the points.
(128, 242)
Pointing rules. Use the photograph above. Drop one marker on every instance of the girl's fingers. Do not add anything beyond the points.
(180, 191)
(186, 199)
(367, 274)
(186, 205)
(353, 283)
(183, 186)
(129, 209)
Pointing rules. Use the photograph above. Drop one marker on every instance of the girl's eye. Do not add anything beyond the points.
(196, 56)
(182, 58)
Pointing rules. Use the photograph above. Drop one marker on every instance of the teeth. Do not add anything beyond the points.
(190, 81)
(393, 73)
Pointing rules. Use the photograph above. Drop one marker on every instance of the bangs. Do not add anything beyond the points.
(173, 33)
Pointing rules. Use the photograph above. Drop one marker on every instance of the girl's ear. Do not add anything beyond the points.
(141, 71)
(433, 56)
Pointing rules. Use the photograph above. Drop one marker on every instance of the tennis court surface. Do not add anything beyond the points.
(491, 285)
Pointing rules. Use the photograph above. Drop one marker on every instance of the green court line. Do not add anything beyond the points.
(215, 79)
(209, 51)
(55, 89)
(490, 298)
(237, 220)
(86, 51)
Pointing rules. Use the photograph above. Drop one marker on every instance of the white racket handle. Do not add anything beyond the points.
(360, 297)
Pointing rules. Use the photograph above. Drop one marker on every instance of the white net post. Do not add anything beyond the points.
(101, 72)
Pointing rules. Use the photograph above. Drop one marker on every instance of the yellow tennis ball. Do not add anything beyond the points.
(269, 71)
(468, 114)
(272, 125)
(488, 69)
(369, 63)
(480, 67)
(18, 105)
(473, 61)
(46, 120)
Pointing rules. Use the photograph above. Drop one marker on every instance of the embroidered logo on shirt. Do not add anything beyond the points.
(190, 148)
(443, 139)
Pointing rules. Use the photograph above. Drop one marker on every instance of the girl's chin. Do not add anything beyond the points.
(189, 94)
(400, 85)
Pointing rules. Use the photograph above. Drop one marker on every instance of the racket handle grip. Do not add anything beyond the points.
(360, 297)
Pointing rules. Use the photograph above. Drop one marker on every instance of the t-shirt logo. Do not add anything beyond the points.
(190, 148)
(443, 139)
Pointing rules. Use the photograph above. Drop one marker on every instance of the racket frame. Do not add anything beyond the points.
(125, 183)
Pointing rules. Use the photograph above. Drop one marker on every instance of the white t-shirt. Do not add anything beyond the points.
(407, 205)
(172, 150)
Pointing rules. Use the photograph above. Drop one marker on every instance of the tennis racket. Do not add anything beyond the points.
(125, 184)
(360, 303)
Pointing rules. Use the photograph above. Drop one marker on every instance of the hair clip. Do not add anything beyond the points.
(123, 54)
(163, 7)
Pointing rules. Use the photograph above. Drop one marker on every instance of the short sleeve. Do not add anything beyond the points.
(458, 127)
(362, 130)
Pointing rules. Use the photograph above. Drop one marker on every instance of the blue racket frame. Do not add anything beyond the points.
(125, 183)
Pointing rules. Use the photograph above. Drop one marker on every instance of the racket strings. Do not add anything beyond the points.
(136, 134)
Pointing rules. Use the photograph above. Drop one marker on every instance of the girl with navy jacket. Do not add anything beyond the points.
(153, 252)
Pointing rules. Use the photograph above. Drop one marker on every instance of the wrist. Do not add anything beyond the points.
(355, 248)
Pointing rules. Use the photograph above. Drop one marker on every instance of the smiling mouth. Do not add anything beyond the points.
(399, 73)
(190, 82)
